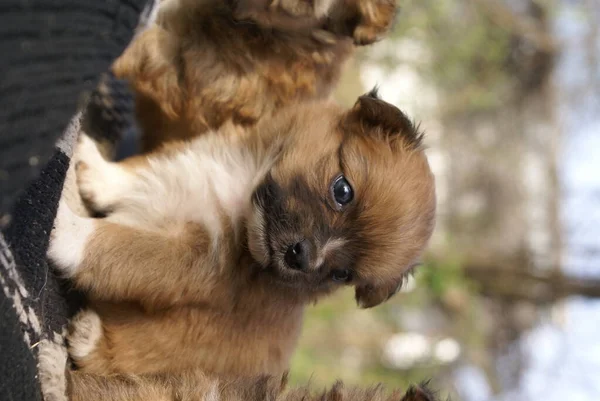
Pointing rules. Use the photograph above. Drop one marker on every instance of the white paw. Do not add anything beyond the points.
(100, 182)
(85, 331)
(52, 366)
(68, 239)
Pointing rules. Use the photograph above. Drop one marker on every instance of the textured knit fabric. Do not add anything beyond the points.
(109, 116)
(53, 52)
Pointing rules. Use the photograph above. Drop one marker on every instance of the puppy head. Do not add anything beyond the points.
(351, 200)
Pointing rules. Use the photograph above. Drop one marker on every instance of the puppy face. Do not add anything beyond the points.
(351, 200)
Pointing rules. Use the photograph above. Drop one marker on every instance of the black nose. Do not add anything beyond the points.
(297, 255)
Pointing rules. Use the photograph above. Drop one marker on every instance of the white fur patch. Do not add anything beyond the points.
(322, 7)
(213, 393)
(68, 240)
(52, 364)
(330, 246)
(86, 330)
(205, 181)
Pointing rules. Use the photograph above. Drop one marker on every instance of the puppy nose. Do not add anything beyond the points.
(297, 255)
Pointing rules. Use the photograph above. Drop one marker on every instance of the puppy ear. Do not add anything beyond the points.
(370, 115)
(368, 296)
(149, 64)
(422, 392)
(365, 21)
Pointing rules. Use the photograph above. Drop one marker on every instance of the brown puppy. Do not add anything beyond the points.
(211, 249)
(207, 62)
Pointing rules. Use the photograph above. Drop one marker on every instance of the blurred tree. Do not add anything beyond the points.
(491, 64)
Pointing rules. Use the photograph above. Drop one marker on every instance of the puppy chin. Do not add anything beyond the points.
(296, 284)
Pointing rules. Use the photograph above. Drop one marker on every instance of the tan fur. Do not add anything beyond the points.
(195, 386)
(207, 62)
(178, 273)
(58, 383)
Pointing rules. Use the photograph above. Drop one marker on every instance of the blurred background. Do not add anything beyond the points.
(507, 304)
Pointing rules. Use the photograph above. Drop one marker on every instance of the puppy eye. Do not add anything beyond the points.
(342, 191)
(341, 275)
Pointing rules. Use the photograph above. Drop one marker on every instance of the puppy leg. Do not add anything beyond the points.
(376, 19)
(189, 386)
(366, 21)
(85, 333)
(90, 387)
(101, 183)
(195, 386)
(115, 262)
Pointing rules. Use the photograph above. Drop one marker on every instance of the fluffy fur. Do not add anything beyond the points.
(60, 384)
(189, 268)
(198, 387)
(208, 62)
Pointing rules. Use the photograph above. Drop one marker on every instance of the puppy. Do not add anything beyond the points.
(207, 62)
(212, 248)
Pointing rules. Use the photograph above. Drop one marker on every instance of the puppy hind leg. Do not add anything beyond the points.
(91, 387)
(84, 339)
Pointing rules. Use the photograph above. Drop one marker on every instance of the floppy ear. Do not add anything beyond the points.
(370, 115)
(149, 64)
(365, 21)
(368, 296)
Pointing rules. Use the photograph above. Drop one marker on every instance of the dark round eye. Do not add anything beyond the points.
(341, 275)
(342, 191)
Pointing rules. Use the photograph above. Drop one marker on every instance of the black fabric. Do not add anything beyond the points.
(53, 52)
(27, 236)
(109, 116)
(18, 372)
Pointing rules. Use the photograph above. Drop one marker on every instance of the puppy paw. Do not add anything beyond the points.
(366, 21)
(52, 370)
(97, 179)
(376, 19)
(85, 331)
(68, 240)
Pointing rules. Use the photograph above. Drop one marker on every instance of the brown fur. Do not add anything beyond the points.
(207, 62)
(195, 386)
(170, 300)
